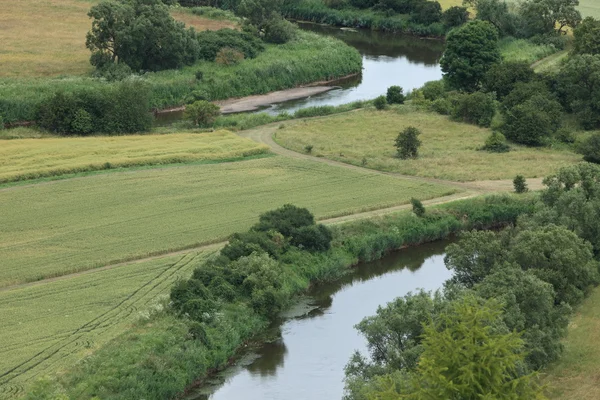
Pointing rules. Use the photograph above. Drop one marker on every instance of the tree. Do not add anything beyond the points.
(533, 121)
(279, 31)
(496, 12)
(394, 95)
(579, 84)
(408, 143)
(140, 33)
(476, 108)
(496, 143)
(427, 12)
(587, 37)
(202, 113)
(380, 102)
(501, 78)
(455, 16)
(520, 184)
(590, 148)
(285, 220)
(466, 356)
(259, 12)
(544, 16)
(470, 51)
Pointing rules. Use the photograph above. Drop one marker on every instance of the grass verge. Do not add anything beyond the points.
(449, 149)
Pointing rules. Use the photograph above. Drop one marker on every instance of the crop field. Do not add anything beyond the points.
(72, 225)
(590, 8)
(35, 158)
(449, 149)
(51, 325)
(47, 38)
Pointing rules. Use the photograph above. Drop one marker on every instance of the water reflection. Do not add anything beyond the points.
(308, 359)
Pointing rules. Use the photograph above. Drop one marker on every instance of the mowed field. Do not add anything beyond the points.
(47, 327)
(47, 38)
(60, 227)
(34, 158)
(449, 149)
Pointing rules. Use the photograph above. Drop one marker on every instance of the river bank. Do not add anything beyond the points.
(166, 340)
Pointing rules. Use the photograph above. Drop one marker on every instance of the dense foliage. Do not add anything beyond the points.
(407, 143)
(587, 37)
(534, 272)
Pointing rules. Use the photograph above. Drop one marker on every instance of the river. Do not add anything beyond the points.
(388, 60)
(315, 340)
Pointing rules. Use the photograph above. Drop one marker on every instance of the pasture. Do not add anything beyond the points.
(35, 158)
(449, 149)
(66, 226)
(47, 38)
(47, 327)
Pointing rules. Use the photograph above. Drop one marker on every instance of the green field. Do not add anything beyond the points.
(34, 158)
(449, 149)
(77, 224)
(47, 327)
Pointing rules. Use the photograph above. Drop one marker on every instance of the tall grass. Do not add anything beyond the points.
(307, 59)
(524, 50)
(159, 358)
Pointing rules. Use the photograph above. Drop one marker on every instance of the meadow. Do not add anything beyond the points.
(449, 149)
(589, 8)
(65, 226)
(47, 327)
(47, 38)
(23, 159)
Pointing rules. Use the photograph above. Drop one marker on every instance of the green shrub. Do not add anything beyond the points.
(395, 95)
(455, 16)
(442, 106)
(284, 220)
(202, 113)
(590, 148)
(520, 184)
(496, 143)
(199, 75)
(476, 108)
(279, 31)
(229, 56)
(211, 42)
(380, 102)
(501, 78)
(417, 207)
(408, 143)
(308, 148)
(534, 121)
(565, 135)
(312, 238)
(434, 90)
(82, 122)
(1, 123)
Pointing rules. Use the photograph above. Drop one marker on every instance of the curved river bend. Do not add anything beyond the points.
(315, 341)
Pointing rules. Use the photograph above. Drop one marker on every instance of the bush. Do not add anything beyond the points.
(442, 106)
(196, 95)
(590, 148)
(395, 95)
(408, 143)
(455, 16)
(496, 143)
(199, 75)
(229, 56)
(308, 148)
(565, 135)
(312, 238)
(380, 102)
(113, 72)
(417, 207)
(534, 121)
(202, 113)
(285, 220)
(476, 108)
(502, 78)
(1, 123)
(279, 31)
(211, 42)
(520, 184)
(434, 90)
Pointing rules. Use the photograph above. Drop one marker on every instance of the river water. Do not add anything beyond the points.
(388, 60)
(315, 340)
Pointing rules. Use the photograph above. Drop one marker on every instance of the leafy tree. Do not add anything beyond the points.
(496, 12)
(285, 220)
(543, 16)
(523, 91)
(408, 143)
(488, 365)
(202, 113)
(394, 95)
(259, 12)
(312, 238)
(213, 41)
(470, 51)
(476, 108)
(496, 143)
(455, 16)
(426, 12)
(501, 78)
(587, 37)
(579, 83)
(380, 102)
(590, 148)
(140, 33)
(279, 31)
(417, 207)
(533, 121)
(520, 184)
(433, 90)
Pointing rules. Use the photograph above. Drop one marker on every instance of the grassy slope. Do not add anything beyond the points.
(575, 376)
(47, 38)
(78, 224)
(590, 8)
(46, 327)
(449, 149)
(31, 158)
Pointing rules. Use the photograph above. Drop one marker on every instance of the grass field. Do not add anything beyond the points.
(575, 376)
(449, 149)
(72, 225)
(46, 327)
(34, 158)
(47, 38)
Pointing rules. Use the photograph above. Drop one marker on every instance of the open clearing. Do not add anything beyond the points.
(34, 158)
(49, 326)
(47, 38)
(77, 224)
(575, 376)
(449, 149)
